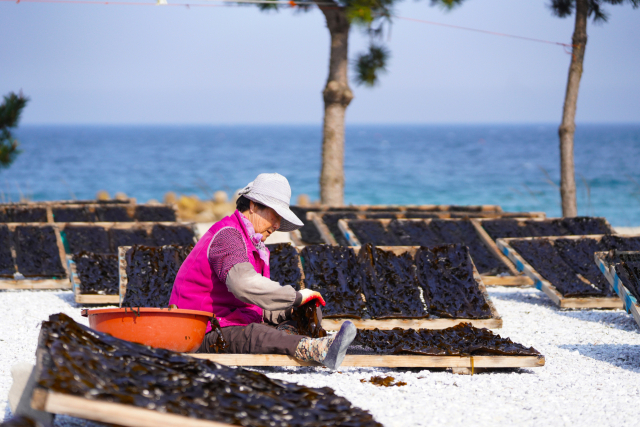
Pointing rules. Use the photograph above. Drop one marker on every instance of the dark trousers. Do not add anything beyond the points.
(256, 338)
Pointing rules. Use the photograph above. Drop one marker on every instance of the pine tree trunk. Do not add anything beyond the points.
(568, 127)
(337, 96)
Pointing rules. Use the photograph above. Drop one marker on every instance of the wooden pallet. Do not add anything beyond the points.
(111, 413)
(87, 298)
(495, 322)
(34, 283)
(547, 287)
(629, 301)
(378, 361)
(515, 279)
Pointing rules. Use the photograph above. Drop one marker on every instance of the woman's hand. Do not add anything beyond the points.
(308, 295)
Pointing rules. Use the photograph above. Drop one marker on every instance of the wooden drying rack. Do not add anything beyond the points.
(628, 300)
(114, 299)
(516, 278)
(36, 282)
(547, 287)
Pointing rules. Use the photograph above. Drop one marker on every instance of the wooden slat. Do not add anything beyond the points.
(629, 301)
(348, 233)
(111, 413)
(325, 233)
(395, 361)
(547, 287)
(491, 245)
(33, 284)
(519, 280)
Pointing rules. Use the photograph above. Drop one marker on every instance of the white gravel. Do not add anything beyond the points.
(592, 374)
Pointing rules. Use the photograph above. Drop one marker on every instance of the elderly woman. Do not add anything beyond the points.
(227, 273)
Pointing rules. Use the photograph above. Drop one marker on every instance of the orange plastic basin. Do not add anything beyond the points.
(175, 329)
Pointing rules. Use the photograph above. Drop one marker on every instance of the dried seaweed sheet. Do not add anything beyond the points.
(37, 253)
(86, 238)
(446, 276)
(464, 232)
(155, 213)
(81, 362)
(414, 233)
(284, 265)
(97, 273)
(331, 220)
(308, 232)
(508, 228)
(373, 232)
(390, 287)
(180, 235)
(459, 340)
(128, 237)
(23, 214)
(113, 214)
(334, 272)
(7, 267)
(628, 271)
(620, 243)
(151, 272)
(546, 260)
(578, 254)
(74, 214)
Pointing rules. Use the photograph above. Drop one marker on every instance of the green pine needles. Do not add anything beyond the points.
(369, 66)
(9, 117)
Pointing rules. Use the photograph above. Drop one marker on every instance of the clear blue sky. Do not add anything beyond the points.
(168, 65)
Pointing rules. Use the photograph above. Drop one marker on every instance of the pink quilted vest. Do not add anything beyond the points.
(198, 288)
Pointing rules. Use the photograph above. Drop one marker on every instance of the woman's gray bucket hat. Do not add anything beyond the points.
(273, 190)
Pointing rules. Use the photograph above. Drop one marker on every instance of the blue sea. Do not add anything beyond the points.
(515, 166)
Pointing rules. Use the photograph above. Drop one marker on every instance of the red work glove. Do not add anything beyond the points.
(308, 295)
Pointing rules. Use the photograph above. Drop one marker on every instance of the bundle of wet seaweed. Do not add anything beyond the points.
(81, 362)
(460, 340)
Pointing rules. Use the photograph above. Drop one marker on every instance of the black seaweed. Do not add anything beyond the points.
(579, 226)
(331, 220)
(284, 265)
(128, 237)
(578, 254)
(309, 232)
(151, 272)
(373, 232)
(23, 214)
(505, 228)
(446, 276)
(155, 213)
(86, 238)
(97, 273)
(384, 381)
(220, 345)
(74, 214)
(307, 320)
(113, 214)
(81, 362)
(415, 233)
(620, 243)
(180, 235)
(584, 225)
(37, 253)
(334, 272)
(390, 287)
(546, 260)
(629, 274)
(459, 340)
(19, 421)
(7, 267)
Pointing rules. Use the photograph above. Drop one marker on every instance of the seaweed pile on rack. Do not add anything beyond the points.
(37, 252)
(334, 271)
(579, 226)
(627, 266)
(578, 254)
(114, 214)
(97, 273)
(284, 265)
(390, 287)
(86, 238)
(174, 234)
(81, 362)
(73, 214)
(155, 213)
(446, 276)
(619, 243)
(23, 214)
(151, 272)
(547, 261)
(432, 233)
(331, 220)
(308, 232)
(460, 340)
(7, 267)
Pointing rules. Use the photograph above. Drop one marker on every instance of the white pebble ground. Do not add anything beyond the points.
(591, 376)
